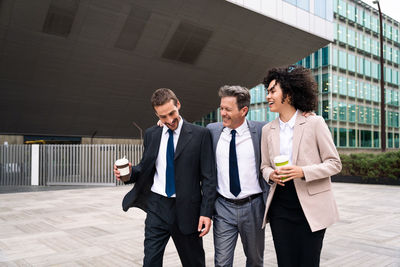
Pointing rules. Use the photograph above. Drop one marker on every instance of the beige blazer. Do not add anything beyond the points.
(314, 150)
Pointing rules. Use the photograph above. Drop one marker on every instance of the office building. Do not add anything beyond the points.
(348, 75)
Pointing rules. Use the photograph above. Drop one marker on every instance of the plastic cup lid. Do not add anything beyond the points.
(122, 161)
(281, 159)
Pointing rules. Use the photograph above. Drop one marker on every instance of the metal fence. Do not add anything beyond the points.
(66, 164)
(15, 165)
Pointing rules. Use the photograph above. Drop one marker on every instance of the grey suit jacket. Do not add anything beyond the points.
(255, 128)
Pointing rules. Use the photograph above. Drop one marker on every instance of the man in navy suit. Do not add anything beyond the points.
(175, 183)
(242, 191)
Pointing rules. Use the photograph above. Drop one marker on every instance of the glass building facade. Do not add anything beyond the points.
(348, 75)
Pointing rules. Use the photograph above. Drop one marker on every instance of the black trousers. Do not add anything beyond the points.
(160, 225)
(295, 244)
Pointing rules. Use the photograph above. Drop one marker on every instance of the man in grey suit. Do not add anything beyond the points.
(242, 191)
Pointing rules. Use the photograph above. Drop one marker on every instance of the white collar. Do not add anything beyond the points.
(290, 123)
(239, 130)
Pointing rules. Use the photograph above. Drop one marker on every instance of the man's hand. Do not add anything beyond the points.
(117, 174)
(206, 222)
(290, 173)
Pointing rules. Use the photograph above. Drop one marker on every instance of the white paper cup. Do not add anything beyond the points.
(282, 160)
(123, 168)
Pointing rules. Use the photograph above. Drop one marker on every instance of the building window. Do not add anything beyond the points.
(316, 59)
(342, 8)
(375, 70)
(376, 116)
(352, 137)
(352, 112)
(325, 109)
(342, 111)
(368, 115)
(376, 139)
(351, 87)
(390, 140)
(367, 44)
(342, 33)
(396, 140)
(342, 84)
(366, 140)
(367, 20)
(374, 93)
(342, 59)
(320, 8)
(361, 114)
(334, 57)
(351, 12)
(351, 64)
(367, 67)
(360, 92)
(374, 24)
(367, 91)
(342, 137)
(335, 135)
(325, 56)
(334, 110)
(395, 119)
(303, 4)
(351, 37)
(325, 83)
(360, 16)
(334, 84)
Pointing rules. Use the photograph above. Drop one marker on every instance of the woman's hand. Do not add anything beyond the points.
(290, 172)
(274, 176)
(159, 123)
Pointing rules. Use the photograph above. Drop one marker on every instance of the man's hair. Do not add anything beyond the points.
(241, 94)
(162, 96)
(297, 83)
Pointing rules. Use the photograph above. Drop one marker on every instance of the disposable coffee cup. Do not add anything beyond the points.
(282, 160)
(123, 168)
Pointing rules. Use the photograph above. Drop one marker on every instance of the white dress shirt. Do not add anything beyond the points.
(161, 162)
(286, 137)
(249, 183)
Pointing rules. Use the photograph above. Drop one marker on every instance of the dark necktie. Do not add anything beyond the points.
(234, 183)
(170, 172)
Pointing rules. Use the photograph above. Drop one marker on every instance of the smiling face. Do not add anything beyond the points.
(232, 117)
(168, 114)
(275, 96)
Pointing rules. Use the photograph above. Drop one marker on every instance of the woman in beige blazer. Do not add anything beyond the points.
(300, 204)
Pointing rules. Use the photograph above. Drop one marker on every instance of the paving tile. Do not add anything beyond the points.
(87, 227)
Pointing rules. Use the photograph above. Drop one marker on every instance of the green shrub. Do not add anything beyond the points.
(371, 165)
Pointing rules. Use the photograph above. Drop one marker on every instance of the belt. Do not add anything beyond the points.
(242, 200)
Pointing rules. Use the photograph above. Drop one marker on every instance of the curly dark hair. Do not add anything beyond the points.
(297, 83)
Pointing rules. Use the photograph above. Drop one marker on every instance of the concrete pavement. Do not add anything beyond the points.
(87, 227)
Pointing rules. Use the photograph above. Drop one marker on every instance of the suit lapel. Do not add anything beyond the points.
(184, 137)
(297, 134)
(274, 142)
(254, 138)
(218, 130)
(156, 140)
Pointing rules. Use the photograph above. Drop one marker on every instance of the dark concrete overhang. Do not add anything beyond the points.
(77, 67)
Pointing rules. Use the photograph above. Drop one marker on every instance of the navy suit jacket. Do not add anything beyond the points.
(195, 177)
(255, 128)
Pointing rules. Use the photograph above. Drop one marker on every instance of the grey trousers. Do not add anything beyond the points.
(230, 220)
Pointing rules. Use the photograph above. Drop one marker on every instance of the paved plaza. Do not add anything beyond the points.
(87, 227)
